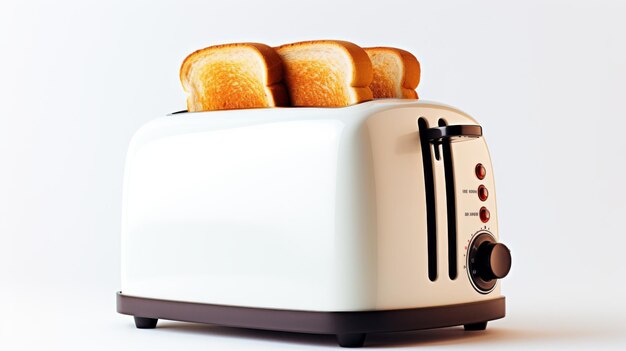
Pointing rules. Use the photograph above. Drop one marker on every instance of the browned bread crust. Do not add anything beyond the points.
(396, 73)
(233, 76)
(329, 73)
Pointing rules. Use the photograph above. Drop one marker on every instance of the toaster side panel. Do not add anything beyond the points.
(403, 279)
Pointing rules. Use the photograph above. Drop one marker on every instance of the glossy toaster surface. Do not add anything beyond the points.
(313, 209)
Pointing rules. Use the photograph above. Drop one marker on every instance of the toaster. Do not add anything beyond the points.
(376, 217)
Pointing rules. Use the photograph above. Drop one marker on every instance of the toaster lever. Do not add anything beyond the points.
(458, 132)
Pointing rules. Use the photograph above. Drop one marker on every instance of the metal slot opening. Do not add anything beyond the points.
(448, 167)
(429, 190)
(177, 112)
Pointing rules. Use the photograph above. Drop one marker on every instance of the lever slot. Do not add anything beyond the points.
(441, 138)
(448, 168)
(429, 192)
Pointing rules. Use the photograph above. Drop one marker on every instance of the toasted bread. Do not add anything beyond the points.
(326, 73)
(396, 73)
(233, 76)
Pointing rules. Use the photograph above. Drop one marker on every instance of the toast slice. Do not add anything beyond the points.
(233, 76)
(327, 73)
(396, 73)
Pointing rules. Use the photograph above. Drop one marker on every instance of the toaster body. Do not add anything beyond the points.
(367, 218)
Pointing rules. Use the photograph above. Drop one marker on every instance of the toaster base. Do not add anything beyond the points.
(350, 327)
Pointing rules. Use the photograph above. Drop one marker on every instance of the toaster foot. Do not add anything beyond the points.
(351, 340)
(145, 323)
(475, 326)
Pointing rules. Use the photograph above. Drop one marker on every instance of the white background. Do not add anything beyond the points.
(547, 80)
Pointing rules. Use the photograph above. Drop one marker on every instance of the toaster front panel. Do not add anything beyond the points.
(422, 260)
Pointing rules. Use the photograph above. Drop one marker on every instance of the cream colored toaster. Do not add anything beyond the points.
(376, 217)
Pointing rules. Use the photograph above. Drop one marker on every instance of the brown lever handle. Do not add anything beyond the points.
(458, 132)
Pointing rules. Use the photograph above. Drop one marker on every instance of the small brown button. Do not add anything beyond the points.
(481, 172)
(483, 194)
(484, 214)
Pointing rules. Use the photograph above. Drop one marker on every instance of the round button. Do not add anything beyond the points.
(484, 214)
(480, 170)
(483, 194)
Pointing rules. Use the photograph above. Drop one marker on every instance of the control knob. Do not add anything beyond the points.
(488, 261)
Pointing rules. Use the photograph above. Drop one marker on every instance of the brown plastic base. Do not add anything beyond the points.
(350, 327)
